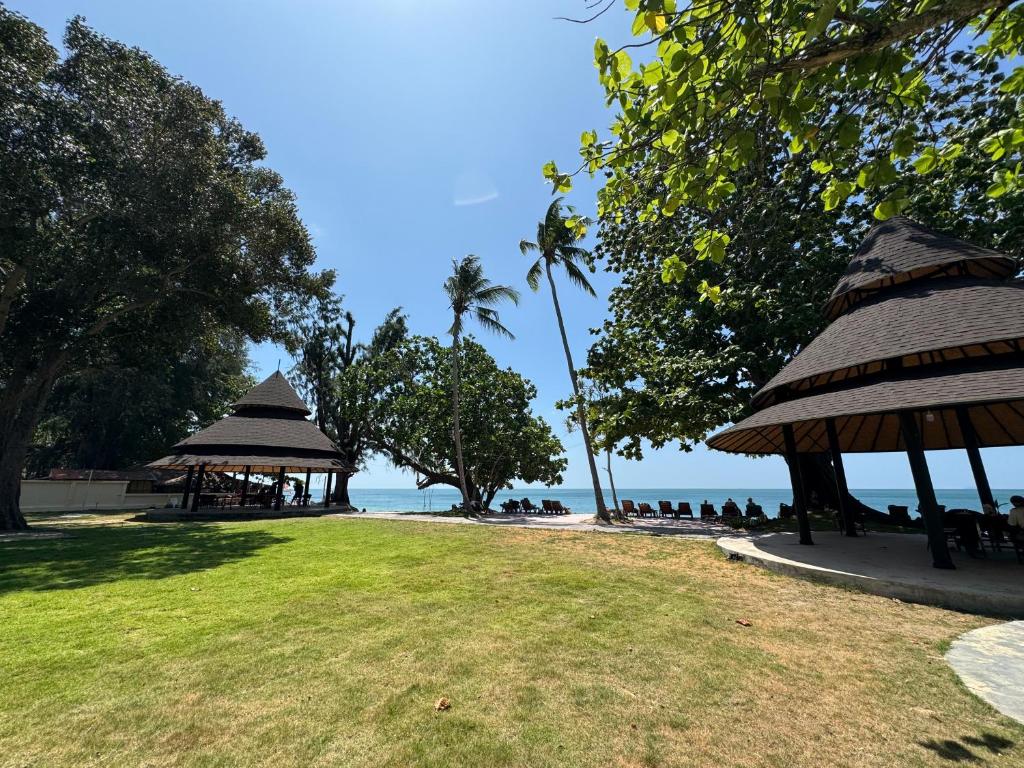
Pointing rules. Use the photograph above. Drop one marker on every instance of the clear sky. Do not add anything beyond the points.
(413, 132)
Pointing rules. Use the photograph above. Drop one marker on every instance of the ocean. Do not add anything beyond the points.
(582, 499)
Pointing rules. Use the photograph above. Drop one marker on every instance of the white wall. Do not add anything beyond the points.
(79, 495)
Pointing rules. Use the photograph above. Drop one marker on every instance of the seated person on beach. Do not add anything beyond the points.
(752, 508)
(1016, 517)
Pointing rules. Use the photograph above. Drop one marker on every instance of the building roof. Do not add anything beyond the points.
(900, 250)
(274, 392)
(914, 324)
(866, 418)
(267, 431)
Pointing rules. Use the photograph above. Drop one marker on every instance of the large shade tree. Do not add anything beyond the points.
(470, 294)
(557, 248)
(817, 72)
(344, 378)
(675, 366)
(131, 207)
(503, 439)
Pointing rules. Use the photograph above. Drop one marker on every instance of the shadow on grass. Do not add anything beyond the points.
(960, 751)
(97, 555)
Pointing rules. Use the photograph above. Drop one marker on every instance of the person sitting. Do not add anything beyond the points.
(753, 510)
(299, 488)
(1016, 517)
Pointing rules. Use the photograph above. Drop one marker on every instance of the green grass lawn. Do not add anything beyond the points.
(328, 642)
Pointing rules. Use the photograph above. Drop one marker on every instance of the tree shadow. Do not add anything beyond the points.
(97, 555)
(960, 751)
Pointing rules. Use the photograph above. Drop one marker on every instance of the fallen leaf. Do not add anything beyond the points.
(442, 704)
(744, 623)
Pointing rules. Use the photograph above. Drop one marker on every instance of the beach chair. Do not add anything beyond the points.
(528, 506)
(665, 509)
(707, 512)
(900, 515)
(559, 509)
(684, 510)
(629, 508)
(786, 511)
(730, 510)
(646, 510)
(548, 507)
(509, 507)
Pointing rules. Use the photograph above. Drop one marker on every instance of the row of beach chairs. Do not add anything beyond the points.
(525, 506)
(683, 509)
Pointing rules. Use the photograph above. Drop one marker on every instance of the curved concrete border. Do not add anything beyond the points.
(990, 661)
(891, 565)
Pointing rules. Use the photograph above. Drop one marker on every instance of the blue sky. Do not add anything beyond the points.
(413, 132)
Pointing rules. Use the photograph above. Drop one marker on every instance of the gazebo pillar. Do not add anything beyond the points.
(245, 487)
(842, 491)
(925, 491)
(327, 490)
(305, 490)
(974, 457)
(280, 490)
(188, 487)
(199, 487)
(795, 478)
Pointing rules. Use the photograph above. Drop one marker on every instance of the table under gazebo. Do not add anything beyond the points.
(923, 352)
(267, 433)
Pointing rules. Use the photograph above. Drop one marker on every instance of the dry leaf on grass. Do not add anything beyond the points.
(744, 623)
(442, 704)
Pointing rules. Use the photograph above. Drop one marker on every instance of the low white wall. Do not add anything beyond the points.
(78, 495)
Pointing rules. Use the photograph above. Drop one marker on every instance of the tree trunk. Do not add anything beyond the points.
(611, 479)
(20, 409)
(581, 412)
(456, 428)
(820, 488)
(341, 490)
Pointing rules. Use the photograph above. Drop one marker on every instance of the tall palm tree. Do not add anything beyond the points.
(470, 293)
(557, 246)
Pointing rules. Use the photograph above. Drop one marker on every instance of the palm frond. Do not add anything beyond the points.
(577, 277)
(488, 319)
(495, 294)
(533, 276)
(526, 247)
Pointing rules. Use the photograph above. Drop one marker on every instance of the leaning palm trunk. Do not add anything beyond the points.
(581, 413)
(456, 428)
(611, 480)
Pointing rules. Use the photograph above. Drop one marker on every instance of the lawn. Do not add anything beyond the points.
(327, 643)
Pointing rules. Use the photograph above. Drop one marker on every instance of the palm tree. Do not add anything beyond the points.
(470, 293)
(556, 245)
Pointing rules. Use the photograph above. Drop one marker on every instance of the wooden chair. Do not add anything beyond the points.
(510, 506)
(684, 509)
(730, 510)
(665, 509)
(707, 512)
(629, 508)
(528, 506)
(559, 509)
(548, 507)
(786, 511)
(646, 510)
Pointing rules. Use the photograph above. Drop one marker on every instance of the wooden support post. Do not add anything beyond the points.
(245, 487)
(974, 457)
(305, 490)
(925, 491)
(327, 491)
(199, 487)
(795, 478)
(188, 487)
(280, 491)
(842, 491)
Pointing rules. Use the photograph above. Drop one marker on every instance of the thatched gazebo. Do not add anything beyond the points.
(267, 433)
(924, 352)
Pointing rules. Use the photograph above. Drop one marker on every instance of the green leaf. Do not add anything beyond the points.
(820, 21)
(588, 138)
(673, 270)
(891, 206)
(821, 165)
(927, 161)
(669, 137)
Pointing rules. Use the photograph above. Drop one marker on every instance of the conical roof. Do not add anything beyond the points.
(899, 250)
(268, 430)
(274, 392)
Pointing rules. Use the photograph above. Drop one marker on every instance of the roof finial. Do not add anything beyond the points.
(279, 365)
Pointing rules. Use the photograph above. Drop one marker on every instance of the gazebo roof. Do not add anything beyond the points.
(866, 414)
(267, 431)
(900, 250)
(274, 392)
(915, 324)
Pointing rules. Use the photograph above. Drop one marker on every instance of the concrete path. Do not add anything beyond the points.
(571, 522)
(990, 661)
(891, 564)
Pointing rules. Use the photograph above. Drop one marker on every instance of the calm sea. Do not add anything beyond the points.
(582, 499)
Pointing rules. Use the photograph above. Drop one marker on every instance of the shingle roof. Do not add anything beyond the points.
(899, 250)
(866, 414)
(274, 392)
(255, 431)
(915, 324)
(265, 464)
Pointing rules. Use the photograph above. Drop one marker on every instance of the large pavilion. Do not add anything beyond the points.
(923, 352)
(267, 433)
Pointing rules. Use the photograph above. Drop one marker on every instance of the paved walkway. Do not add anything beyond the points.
(571, 522)
(990, 661)
(891, 564)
